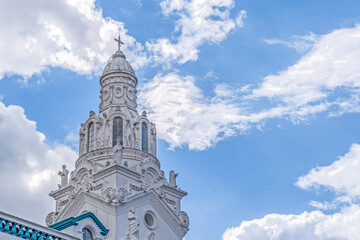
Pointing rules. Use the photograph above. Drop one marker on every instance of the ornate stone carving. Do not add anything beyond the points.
(110, 194)
(107, 142)
(172, 202)
(98, 143)
(130, 94)
(118, 92)
(72, 194)
(144, 187)
(136, 188)
(97, 187)
(64, 202)
(106, 95)
(50, 219)
(162, 193)
(122, 194)
(184, 219)
(86, 183)
(128, 143)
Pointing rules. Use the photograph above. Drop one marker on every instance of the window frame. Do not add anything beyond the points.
(117, 131)
(91, 137)
(144, 137)
(85, 234)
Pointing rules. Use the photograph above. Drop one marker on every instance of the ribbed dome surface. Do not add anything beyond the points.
(118, 63)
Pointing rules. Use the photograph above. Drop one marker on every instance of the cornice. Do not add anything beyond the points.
(61, 191)
(116, 168)
(175, 191)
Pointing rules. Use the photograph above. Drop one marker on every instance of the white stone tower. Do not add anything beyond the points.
(117, 171)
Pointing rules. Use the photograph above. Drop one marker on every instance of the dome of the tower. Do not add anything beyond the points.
(118, 63)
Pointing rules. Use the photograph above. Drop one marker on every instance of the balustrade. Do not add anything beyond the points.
(30, 231)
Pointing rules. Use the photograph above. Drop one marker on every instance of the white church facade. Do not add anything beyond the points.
(117, 190)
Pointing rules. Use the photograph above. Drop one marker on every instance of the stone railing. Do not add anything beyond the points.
(16, 227)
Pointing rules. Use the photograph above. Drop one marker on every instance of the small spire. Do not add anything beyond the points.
(118, 40)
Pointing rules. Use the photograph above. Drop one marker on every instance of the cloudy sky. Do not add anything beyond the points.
(256, 104)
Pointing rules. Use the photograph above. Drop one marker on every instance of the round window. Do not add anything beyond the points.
(150, 219)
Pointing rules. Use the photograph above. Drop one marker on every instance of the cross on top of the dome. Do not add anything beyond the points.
(119, 42)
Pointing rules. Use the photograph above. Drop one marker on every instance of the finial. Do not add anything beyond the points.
(118, 40)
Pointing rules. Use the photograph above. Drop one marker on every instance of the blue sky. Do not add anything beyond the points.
(256, 105)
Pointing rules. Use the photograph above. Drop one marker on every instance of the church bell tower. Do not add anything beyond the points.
(118, 190)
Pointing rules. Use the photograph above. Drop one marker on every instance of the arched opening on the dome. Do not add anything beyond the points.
(144, 137)
(118, 131)
(91, 137)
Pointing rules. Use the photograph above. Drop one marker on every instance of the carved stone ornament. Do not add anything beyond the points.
(130, 94)
(50, 219)
(106, 95)
(98, 143)
(137, 145)
(72, 194)
(128, 143)
(184, 219)
(145, 187)
(86, 184)
(110, 194)
(162, 193)
(118, 92)
(107, 142)
(122, 194)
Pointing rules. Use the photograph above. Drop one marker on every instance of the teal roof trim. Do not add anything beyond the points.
(74, 222)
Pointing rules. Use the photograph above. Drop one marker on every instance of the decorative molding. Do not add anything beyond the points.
(74, 221)
(184, 218)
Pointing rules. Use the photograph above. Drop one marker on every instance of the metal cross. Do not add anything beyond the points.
(118, 40)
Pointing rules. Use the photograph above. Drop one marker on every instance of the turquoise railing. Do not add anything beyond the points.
(27, 230)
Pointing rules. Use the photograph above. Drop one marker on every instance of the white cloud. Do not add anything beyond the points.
(332, 64)
(339, 201)
(341, 177)
(299, 43)
(211, 74)
(311, 226)
(77, 37)
(25, 153)
(200, 21)
(184, 116)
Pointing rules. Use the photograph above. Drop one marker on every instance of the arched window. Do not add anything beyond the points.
(117, 131)
(144, 143)
(91, 138)
(87, 234)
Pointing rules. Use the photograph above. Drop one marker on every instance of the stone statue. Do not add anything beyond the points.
(133, 233)
(64, 176)
(118, 155)
(172, 178)
(82, 140)
(136, 131)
